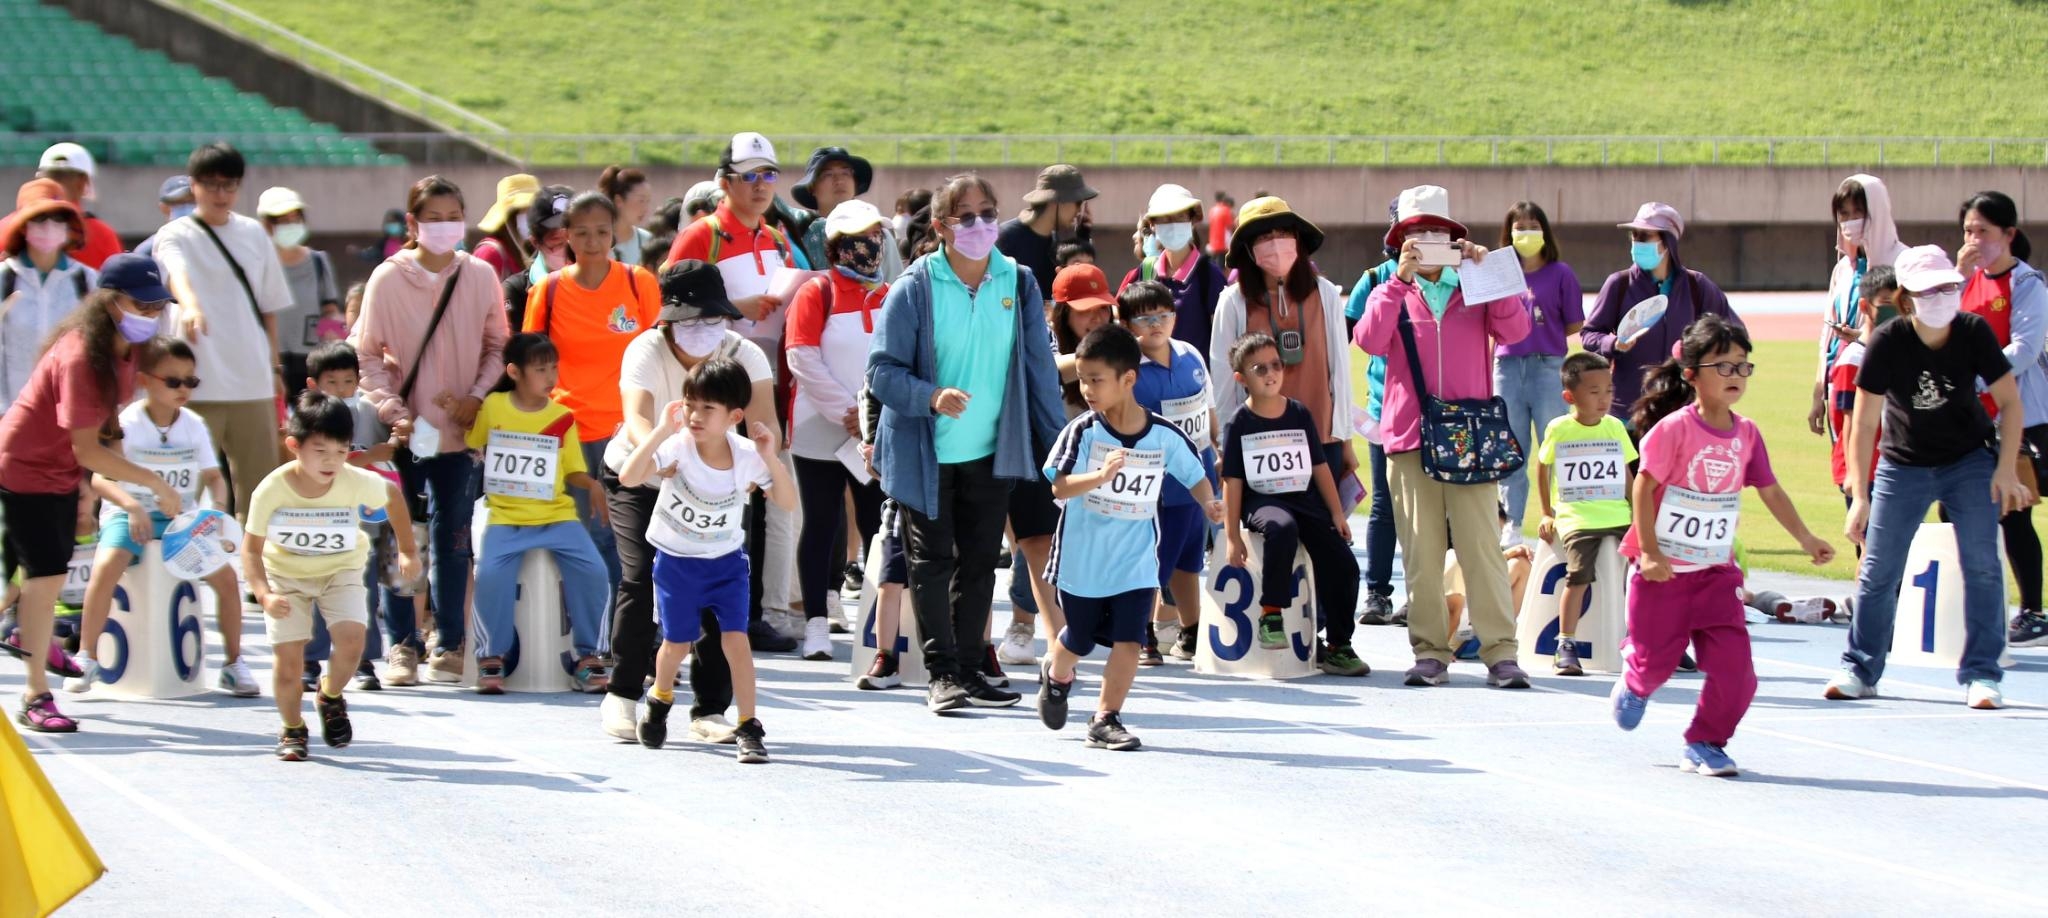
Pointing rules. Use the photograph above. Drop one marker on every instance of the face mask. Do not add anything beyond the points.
(860, 257)
(136, 329)
(521, 228)
(1151, 246)
(441, 238)
(1275, 255)
(1937, 310)
(1886, 314)
(1646, 255)
(181, 211)
(900, 222)
(556, 259)
(1989, 252)
(1174, 237)
(1527, 243)
(698, 341)
(390, 229)
(288, 235)
(1852, 233)
(975, 242)
(47, 235)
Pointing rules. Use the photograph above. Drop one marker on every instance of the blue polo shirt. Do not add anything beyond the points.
(1184, 382)
(976, 337)
(1108, 543)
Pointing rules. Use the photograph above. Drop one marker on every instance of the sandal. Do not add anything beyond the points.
(59, 661)
(41, 715)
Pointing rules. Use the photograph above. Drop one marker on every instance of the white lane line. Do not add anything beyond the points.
(1985, 777)
(315, 904)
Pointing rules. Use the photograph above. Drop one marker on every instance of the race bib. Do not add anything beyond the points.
(1696, 528)
(177, 466)
(698, 520)
(76, 574)
(1191, 415)
(1133, 492)
(314, 531)
(521, 465)
(1277, 462)
(1590, 470)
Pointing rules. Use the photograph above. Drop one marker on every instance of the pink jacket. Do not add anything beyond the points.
(466, 356)
(1459, 366)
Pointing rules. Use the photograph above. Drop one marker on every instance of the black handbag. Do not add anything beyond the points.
(1464, 441)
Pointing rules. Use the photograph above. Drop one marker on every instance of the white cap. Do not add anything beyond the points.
(751, 151)
(1171, 200)
(852, 218)
(276, 202)
(63, 156)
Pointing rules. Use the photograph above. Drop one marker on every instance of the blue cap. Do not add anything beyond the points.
(176, 190)
(134, 275)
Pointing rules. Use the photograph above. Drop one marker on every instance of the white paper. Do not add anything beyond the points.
(425, 440)
(783, 284)
(849, 456)
(1645, 314)
(1486, 281)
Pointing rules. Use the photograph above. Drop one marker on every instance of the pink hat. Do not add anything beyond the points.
(1657, 217)
(1925, 267)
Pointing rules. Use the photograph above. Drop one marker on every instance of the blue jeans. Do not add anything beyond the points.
(601, 535)
(497, 585)
(1898, 503)
(1379, 528)
(1534, 392)
(449, 482)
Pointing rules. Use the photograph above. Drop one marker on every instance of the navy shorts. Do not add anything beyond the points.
(895, 564)
(685, 587)
(1183, 532)
(1091, 620)
(1032, 511)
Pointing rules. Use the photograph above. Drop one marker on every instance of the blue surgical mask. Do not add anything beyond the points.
(181, 211)
(1646, 255)
(1151, 246)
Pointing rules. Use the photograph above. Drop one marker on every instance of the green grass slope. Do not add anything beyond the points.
(1403, 67)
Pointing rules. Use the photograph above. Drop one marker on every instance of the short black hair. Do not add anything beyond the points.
(1877, 280)
(335, 355)
(1578, 365)
(1142, 298)
(1112, 344)
(318, 414)
(526, 349)
(1241, 352)
(159, 349)
(720, 381)
(1072, 249)
(216, 160)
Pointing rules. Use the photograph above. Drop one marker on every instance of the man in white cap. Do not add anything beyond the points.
(71, 166)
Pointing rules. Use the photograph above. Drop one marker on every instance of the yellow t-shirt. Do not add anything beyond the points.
(308, 538)
(1589, 472)
(527, 458)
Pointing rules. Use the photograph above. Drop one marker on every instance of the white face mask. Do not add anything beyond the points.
(441, 238)
(1937, 310)
(1174, 237)
(555, 259)
(521, 227)
(697, 340)
(289, 235)
(1852, 231)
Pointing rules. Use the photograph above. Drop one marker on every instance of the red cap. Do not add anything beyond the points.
(1082, 287)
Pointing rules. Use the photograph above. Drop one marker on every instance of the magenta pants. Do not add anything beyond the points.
(1699, 607)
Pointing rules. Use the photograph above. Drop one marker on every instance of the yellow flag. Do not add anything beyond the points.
(44, 859)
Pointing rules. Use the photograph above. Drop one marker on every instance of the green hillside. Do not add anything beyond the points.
(1405, 67)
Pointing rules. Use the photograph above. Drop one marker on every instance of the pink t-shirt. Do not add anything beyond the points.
(1684, 451)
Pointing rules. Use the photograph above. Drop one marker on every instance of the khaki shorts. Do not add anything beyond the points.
(340, 596)
(1581, 550)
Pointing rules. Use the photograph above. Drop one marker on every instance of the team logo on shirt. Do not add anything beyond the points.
(623, 323)
(1713, 465)
(1998, 304)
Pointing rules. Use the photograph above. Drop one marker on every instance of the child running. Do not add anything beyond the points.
(1697, 457)
(1583, 482)
(1110, 466)
(161, 435)
(304, 548)
(708, 471)
(1276, 483)
(1173, 383)
(531, 458)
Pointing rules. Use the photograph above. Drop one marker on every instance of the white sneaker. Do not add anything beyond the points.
(1847, 686)
(89, 673)
(1985, 696)
(1510, 535)
(713, 728)
(1016, 647)
(817, 638)
(785, 622)
(620, 715)
(235, 679)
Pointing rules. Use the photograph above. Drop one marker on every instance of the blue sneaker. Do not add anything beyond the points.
(1709, 760)
(1628, 706)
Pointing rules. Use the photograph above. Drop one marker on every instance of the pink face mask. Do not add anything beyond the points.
(47, 235)
(1275, 255)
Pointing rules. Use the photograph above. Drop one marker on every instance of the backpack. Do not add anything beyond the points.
(718, 238)
(8, 281)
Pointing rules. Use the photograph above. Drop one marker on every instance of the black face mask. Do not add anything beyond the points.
(860, 255)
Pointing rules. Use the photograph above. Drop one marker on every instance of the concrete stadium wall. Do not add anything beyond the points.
(1752, 228)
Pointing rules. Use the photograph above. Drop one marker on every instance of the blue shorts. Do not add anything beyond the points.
(1183, 533)
(895, 564)
(1091, 620)
(686, 588)
(114, 533)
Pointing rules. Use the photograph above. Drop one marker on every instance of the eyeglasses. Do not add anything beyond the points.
(1263, 370)
(990, 216)
(1943, 290)
(764, 175)
(699, 322)
(1725, 368)
(1151, 321)
(219, 187)
(176, 382)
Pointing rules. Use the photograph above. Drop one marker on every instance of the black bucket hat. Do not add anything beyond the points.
(863, 174)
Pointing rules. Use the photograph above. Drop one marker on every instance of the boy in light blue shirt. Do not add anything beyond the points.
(1110, 466)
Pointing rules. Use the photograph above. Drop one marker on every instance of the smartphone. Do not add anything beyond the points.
(1439, 254)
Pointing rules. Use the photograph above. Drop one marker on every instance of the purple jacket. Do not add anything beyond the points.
(1692, 295)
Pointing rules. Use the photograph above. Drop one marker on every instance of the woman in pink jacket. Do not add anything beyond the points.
(1455, 342)
(434, 371)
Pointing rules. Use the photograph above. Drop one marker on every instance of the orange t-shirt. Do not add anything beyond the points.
(591, 329)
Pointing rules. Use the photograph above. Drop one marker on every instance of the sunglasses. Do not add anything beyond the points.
(765, 175)
(1729, 369)
(1151, 321)
(176, 382)
(1263, 370)
(990, 216)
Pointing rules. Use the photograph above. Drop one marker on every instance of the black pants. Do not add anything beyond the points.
(1336, 569)
(635, 637)
(821, 549)
(2022, 543)
(953, 564)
